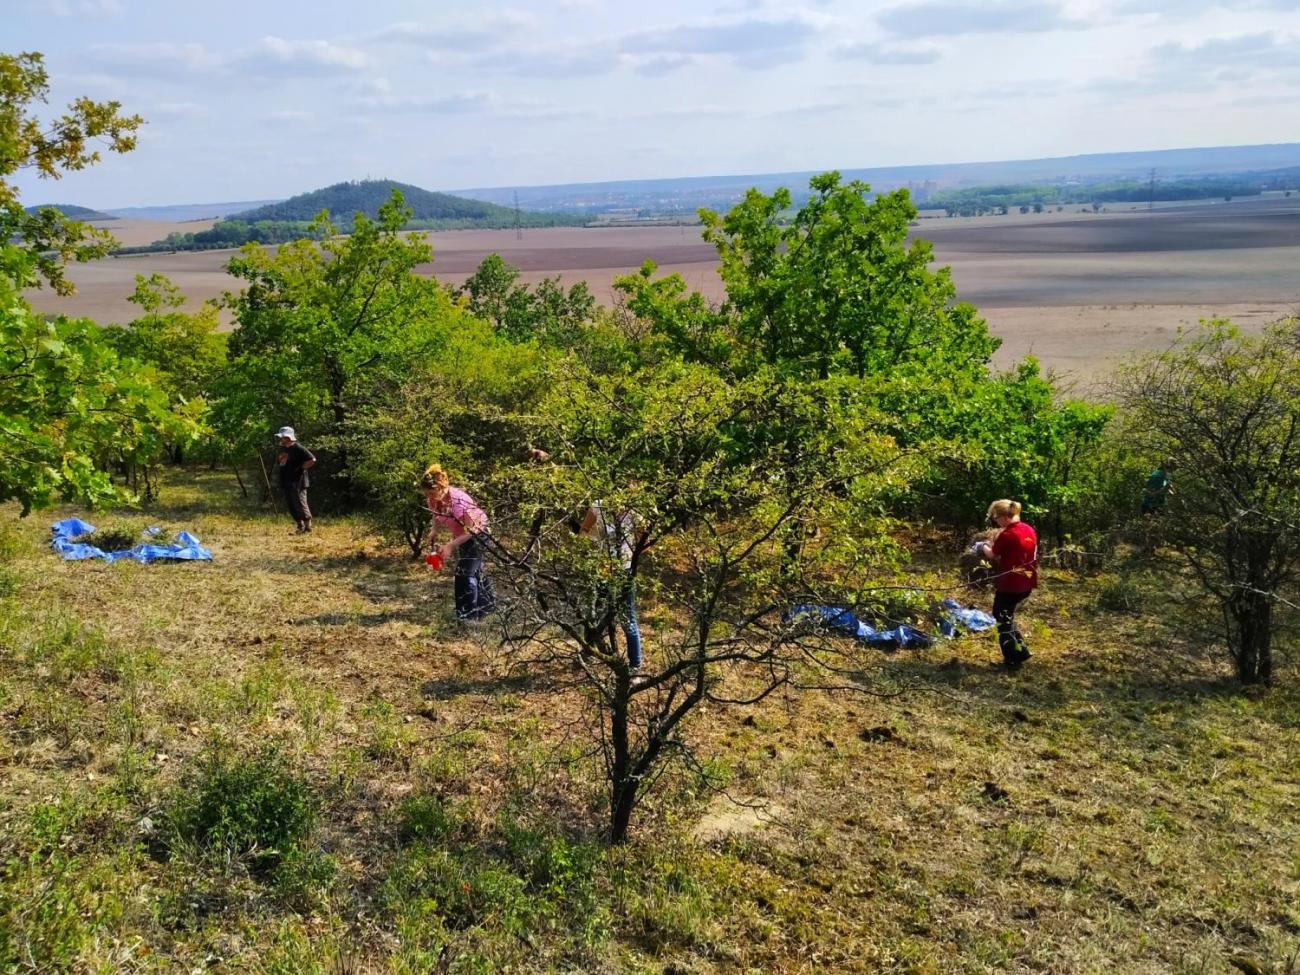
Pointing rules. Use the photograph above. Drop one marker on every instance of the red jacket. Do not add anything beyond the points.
(1015, 552)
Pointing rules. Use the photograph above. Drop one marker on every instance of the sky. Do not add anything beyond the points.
(256, 100)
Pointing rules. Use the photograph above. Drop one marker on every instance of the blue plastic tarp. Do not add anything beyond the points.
(68, 541)
(844, 621)
(956, 620)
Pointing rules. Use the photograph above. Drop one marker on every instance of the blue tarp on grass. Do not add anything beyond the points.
(956, 619)
(843, 621)
(68, 541)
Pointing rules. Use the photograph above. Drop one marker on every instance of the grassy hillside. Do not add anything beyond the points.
(1116, 806)
(73, 212)
(367, 196)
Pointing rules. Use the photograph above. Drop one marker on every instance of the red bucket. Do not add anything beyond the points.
(434, 560)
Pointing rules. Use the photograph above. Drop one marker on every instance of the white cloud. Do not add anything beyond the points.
(488, 33)
(271, 56)
(1216, 64)
(1184, 8)
(288, 115)
(663, 64)
(275, 55)
(552, 62)
(944, 18)
(1246, 53)
(751, 42)
(455, 103)
(873, 53)
(474, 103)
(164, 59)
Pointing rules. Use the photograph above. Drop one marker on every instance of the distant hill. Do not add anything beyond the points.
(277, 223)
(684, 194)
(73, 212)
(342, 200)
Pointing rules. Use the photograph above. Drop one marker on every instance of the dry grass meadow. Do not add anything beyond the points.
(1116, 806)
(1077, 290)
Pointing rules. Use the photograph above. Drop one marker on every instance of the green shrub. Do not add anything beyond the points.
(254, 807)
(114, 538)
(495, 892)
(452, 890)
(560, 875)
(1120, 594)
(426, 819)
(304, 879)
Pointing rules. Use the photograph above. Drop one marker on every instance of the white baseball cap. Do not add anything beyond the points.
(286, 432)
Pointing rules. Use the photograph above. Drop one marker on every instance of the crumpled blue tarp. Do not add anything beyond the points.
(959, 618)
(955, 620)
(843, 621)
(67, 532)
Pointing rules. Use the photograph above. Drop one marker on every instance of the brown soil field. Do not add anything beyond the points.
(1075, 289)
(135, 233)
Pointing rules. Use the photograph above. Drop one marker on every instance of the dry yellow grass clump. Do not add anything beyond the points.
(291, 760)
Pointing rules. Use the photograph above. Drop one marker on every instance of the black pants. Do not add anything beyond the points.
(1010, 639)
(295, 499)
(473, 589)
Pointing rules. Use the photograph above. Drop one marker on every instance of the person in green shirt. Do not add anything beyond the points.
(1154, 496)
(1158, 489)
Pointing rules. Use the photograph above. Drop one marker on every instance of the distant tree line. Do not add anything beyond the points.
(237, 233)
(976, 200)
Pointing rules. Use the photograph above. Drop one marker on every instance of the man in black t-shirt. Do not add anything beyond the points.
(295, 461)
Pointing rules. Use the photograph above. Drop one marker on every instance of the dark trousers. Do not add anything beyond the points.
(1010, 639)
(295, 499)
(474, 595)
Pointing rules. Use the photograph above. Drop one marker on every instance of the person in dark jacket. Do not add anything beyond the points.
(294, 462)
(1014, 554)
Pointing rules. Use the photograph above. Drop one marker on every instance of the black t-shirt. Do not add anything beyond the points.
(291, 460)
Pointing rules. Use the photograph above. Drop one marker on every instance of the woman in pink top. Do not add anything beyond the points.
(456, 511)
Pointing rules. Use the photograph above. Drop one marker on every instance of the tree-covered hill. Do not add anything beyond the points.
(291, 219)
(71, 212)
(342, 200)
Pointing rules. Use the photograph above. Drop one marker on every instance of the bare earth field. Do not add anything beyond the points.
(135, 233)
(1077, 290)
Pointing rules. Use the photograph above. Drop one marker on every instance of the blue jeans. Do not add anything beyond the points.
(627, 620)
(473, 589)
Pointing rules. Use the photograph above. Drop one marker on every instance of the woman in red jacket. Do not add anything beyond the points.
(1014, 554)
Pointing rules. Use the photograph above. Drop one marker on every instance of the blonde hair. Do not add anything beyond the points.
(434, 477)
(1005, 508)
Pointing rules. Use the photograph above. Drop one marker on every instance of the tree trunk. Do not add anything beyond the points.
(621, 783)
(1252, 618)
